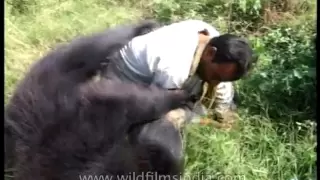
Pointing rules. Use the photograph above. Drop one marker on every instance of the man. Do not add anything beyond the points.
(189, 54)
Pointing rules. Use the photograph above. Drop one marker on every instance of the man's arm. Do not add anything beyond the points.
(224, 103)
(224, 95)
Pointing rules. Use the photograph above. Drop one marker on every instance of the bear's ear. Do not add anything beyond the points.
(204, 32)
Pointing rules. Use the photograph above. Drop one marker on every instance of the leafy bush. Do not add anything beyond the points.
(241, 16)
(284, 83)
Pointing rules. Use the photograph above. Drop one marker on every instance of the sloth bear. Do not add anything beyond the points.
(63, 124)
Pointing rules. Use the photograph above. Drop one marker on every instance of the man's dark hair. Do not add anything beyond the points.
(233, 49)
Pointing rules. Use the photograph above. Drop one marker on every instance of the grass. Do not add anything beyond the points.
(275, 138)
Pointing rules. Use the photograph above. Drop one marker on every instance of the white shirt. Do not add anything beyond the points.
(166, 54)
(164, 57)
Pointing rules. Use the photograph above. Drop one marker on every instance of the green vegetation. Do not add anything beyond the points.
(275, 138)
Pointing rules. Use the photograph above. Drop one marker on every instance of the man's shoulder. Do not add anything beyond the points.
(199, 25)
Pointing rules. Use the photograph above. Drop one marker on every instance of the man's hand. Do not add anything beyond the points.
(226, 118)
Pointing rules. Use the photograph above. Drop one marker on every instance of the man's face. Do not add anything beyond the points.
(214, 73)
